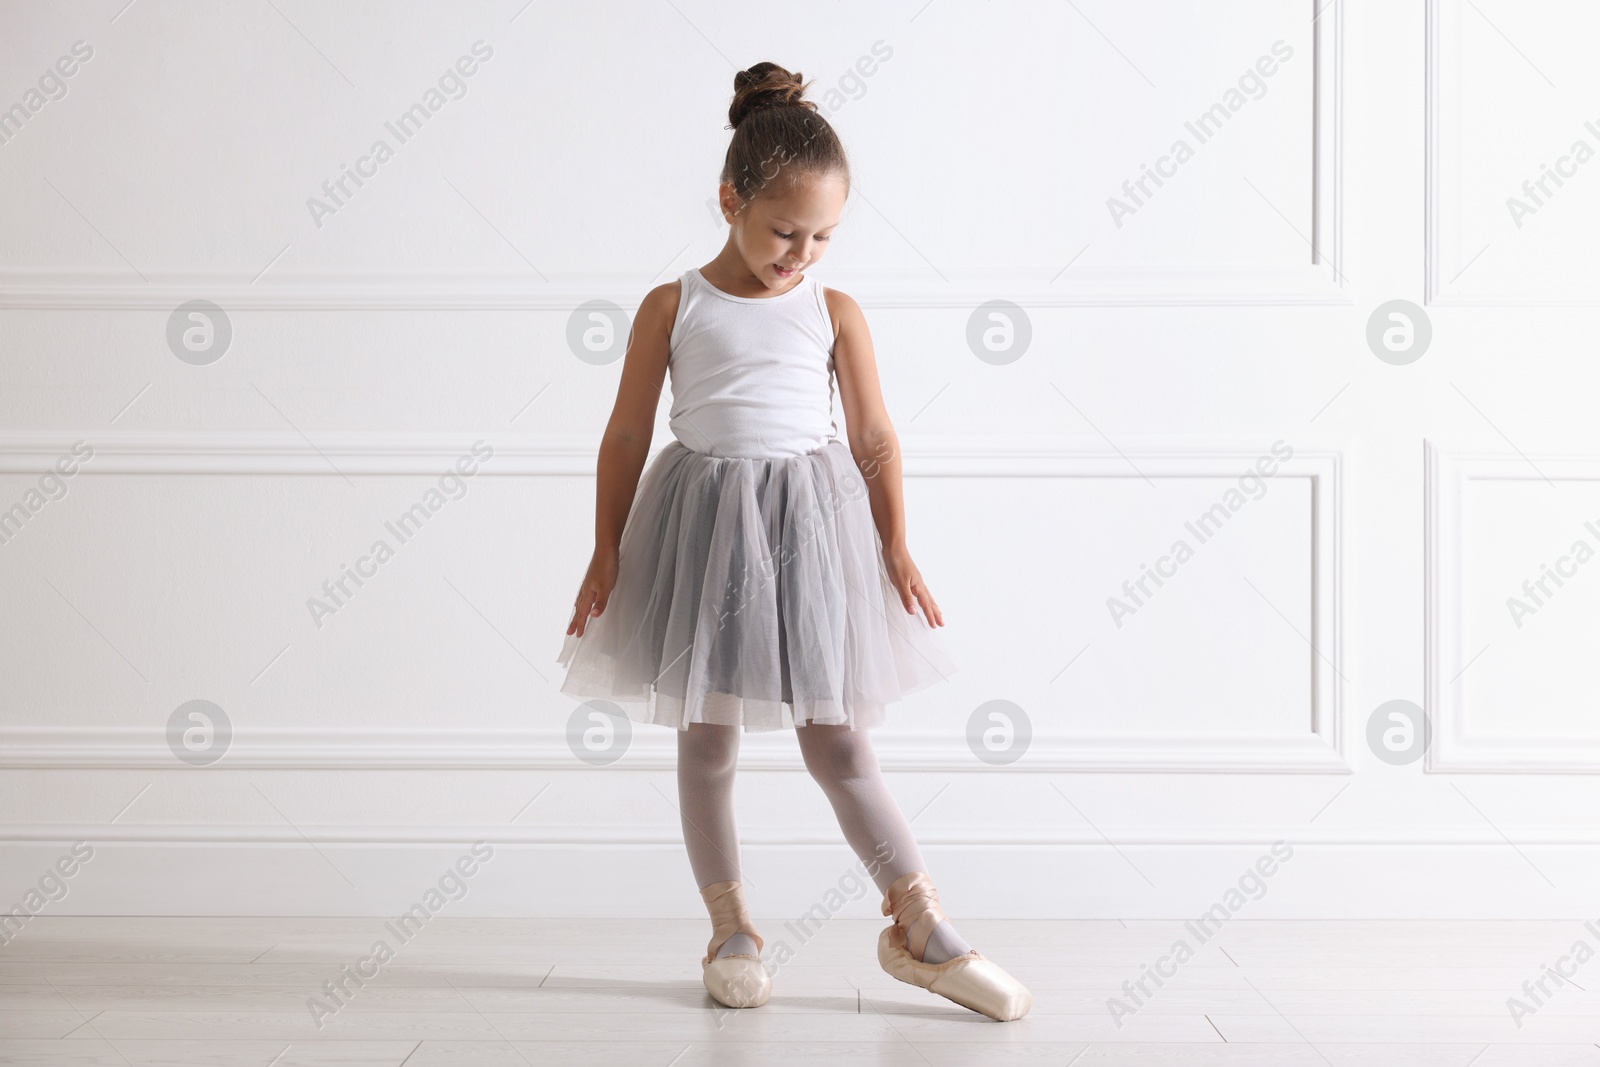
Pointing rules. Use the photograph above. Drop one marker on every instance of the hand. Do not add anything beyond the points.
(908, 583)
(595, 591)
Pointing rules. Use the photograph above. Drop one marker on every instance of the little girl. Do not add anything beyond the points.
(747, 584)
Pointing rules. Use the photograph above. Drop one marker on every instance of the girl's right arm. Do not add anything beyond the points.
(626, 445)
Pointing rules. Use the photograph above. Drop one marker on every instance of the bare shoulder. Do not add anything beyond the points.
(661, 303)
(844, 311)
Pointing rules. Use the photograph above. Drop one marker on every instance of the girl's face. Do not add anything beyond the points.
(784, 232)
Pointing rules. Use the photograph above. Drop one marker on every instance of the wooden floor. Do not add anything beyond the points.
(464, 992)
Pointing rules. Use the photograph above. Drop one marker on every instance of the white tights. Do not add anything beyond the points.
(842, 762)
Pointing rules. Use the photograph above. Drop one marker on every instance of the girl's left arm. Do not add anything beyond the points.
(876, 448)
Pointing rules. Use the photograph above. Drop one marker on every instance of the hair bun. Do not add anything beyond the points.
(765, 85)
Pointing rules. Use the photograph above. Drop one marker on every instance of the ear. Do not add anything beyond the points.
(731, 205)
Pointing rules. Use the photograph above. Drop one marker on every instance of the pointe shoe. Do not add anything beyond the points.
(739, 980)
(970, 979)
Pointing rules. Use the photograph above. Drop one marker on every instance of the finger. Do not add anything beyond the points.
(922, 599)
(585, 601)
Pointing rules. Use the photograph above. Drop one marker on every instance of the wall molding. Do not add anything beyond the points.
(965, 290)
(1434, 291)
(1455, 749)
(1316, 282)
(668, 834)
(1332, 875)
(289, 453)
(422, 452)
(651, 749)
(1320, 749)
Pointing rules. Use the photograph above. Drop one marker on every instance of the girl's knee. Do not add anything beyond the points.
(834, 752)
(711, 748)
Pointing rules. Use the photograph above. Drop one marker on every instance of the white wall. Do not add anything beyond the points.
(1169, 348)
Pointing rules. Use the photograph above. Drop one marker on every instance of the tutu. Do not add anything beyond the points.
(751, 591)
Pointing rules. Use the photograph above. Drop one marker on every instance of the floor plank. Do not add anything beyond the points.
(225, 992)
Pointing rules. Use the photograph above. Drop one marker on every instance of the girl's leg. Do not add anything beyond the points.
(708, 755)
(845, 766)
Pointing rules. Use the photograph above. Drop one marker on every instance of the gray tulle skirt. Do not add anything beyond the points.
(752, 592)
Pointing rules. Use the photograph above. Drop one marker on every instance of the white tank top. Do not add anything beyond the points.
(751, 376)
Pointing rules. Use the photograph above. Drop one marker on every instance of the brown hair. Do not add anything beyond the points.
(776, 132)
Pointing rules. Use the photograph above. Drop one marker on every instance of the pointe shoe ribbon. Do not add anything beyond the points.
(914, 903)
(738, 980)
(971, 979)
